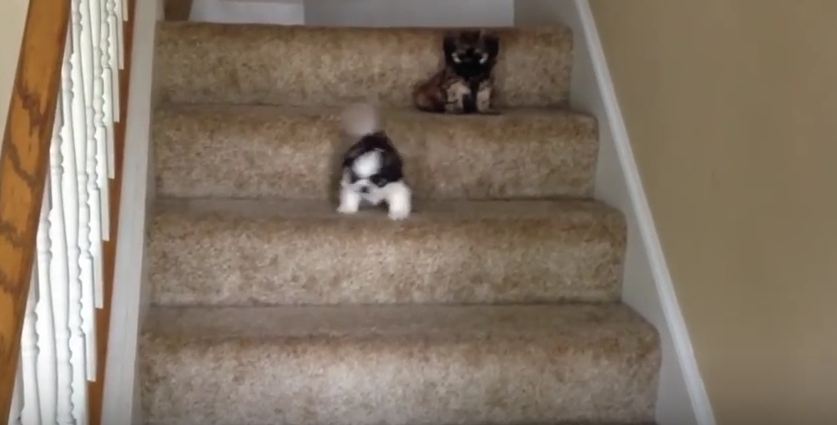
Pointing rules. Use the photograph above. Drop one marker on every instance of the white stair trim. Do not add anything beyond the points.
(130, 298)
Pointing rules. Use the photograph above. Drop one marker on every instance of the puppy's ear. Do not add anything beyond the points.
(353, 153)
(449, 44)
(391, 166)
(492, 44)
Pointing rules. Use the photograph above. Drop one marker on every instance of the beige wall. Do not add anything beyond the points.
(13, 14)
(731, 106)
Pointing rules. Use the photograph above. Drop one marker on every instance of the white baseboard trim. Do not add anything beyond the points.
(121, 393)
(618, 182)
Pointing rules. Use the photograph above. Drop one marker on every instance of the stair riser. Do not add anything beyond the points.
(313, 66)
(213, 154)
(227, 262)
(373, 382)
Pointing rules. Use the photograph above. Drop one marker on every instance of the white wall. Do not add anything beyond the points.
(375, 13)
(11, 33)
(286, 12)
(442, 13)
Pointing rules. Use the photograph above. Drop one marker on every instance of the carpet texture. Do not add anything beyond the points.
(315, 66)
(248, 151)
(399, 365)
(243, 253)
(496, 303)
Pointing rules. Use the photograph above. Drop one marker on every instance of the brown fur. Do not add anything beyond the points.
(447, 91)
(444, 92)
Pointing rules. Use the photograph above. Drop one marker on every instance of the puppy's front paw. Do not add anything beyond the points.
(398, 214)
(347, 209)
(349, 202)
(398, 200)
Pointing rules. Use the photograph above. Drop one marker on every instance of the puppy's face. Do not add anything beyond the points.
(471, 53)
(365, 173)
(371, 166)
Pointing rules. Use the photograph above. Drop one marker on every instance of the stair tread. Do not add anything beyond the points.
(253, 252)
(399, 364)
(286, 151)
(312, 65)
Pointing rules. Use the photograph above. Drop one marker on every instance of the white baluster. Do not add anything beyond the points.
(98, 193)
(31, 413)
(76, 209)
(105, 155)
(16, 409)
(115, 46)
(122, 17)
(45, 327)
(47, 357)
(90, 212)
(63, 190)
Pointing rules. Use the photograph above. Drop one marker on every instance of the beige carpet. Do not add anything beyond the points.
(497, 302)
(280, 151)
(312, 66)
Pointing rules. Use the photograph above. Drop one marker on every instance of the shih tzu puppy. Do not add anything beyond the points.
(465, 83)
(372, 167)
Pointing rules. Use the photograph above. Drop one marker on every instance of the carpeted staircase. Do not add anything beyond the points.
(497, 302)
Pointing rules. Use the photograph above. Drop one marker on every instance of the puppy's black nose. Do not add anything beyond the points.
(364, 189)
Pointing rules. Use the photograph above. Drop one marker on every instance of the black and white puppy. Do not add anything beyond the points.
(372, 167)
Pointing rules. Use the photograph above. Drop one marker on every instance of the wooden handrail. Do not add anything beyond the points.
(24, 163)
(24, 158)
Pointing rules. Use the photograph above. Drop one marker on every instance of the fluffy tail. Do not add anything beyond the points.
(360, 120)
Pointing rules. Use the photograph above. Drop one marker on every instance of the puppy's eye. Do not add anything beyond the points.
(484, 58)
(456, 58)
(379, 181)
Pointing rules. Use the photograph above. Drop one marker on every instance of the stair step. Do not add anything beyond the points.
(399, 365)
(239, 252)
(293, 65)
(292, 152)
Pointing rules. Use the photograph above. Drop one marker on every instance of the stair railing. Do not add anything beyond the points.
(60, 175)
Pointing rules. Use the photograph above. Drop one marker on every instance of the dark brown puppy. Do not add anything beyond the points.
(465, 84)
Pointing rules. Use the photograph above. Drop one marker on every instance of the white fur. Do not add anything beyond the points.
(397, 195)
(349, 201)
(360, 120)
(367, 164)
